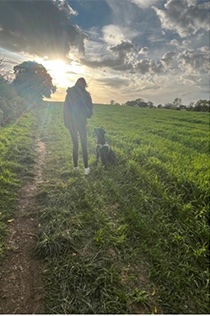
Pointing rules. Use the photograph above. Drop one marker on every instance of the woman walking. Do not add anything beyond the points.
(77, 108)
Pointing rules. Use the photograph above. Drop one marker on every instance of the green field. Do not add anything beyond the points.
(130, 239)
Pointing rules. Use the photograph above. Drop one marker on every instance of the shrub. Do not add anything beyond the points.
(11, 105)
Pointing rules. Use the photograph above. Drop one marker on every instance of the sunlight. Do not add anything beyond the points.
(63, 74)
(58, 71)
(76, 68)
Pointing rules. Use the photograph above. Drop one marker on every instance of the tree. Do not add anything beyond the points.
(130, 103)
(191, 106)
(169, 106)
(202, 106)
(12, 105)
(32, 81)
(140, 103)
(150, 104)
(113, 102)
(177, 102)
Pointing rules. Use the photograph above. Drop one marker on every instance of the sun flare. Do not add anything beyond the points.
(63, 74)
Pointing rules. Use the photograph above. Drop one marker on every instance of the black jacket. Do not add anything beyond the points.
(77, 106)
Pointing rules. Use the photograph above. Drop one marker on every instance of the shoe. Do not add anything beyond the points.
(87, 171)
(76, 169)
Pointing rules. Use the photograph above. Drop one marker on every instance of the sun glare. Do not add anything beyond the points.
(62, 73)
(57, 70)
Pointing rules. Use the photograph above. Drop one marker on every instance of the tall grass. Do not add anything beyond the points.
(133, 238)
(17, 148)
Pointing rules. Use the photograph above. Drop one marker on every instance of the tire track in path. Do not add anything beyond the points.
(21, 284)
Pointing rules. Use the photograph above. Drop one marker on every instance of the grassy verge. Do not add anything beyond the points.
(133, 238)
(17, 147)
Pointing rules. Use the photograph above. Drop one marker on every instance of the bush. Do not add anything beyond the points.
(11, 105)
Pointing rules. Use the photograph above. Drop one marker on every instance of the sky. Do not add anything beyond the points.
(156, 50)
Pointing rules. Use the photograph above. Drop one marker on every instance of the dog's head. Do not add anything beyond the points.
(100, 132)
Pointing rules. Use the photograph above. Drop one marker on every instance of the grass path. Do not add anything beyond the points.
(21, 284)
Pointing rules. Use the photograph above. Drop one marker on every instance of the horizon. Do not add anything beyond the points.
(125, 49)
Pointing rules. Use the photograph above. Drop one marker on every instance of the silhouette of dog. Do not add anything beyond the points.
(103, 149)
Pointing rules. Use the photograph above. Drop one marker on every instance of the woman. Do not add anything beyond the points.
(77, 108)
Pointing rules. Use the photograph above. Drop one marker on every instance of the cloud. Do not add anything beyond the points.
(185, 17)
(118, 57)
(123, 47)
(195, 61)
(117, 64)
(135, 48)
(114, 34)
(41, 28)
(114, 82)
(127, 57)
(168, 59)
(150, 66)
(144, 3)
(181, 44)
(144, 51)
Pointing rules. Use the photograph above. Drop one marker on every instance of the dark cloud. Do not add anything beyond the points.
(189, 61)
(144, 50)
(121, 58)
(123, 47)
(38, 27)
(156, 66)
(195, 61)
(185, 16)
(114, 82)
(151, 66)
(117, 64)
(143, 66)
(168, 59)
(126, 57)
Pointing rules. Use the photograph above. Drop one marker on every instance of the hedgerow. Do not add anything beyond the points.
(11, 105)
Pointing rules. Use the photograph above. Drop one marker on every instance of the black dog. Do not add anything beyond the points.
(103, 149)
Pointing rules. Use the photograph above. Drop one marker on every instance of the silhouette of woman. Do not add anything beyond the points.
(77, 108)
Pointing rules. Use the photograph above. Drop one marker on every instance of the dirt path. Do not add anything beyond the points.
(21, 285)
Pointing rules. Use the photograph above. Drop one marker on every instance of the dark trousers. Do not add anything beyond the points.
(75, 131)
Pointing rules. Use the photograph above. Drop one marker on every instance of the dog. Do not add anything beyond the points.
(103, 149)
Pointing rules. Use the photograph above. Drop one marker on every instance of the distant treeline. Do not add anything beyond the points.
(199, 106)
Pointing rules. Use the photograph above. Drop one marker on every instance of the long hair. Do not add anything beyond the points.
(81, 82)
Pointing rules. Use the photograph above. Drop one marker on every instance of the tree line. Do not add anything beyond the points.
(177, 104)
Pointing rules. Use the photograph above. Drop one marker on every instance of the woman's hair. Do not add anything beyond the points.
(81, 82)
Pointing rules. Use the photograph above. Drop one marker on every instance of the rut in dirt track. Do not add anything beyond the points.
(21, 285)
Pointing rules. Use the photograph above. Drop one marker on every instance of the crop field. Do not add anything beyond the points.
(131, 239)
